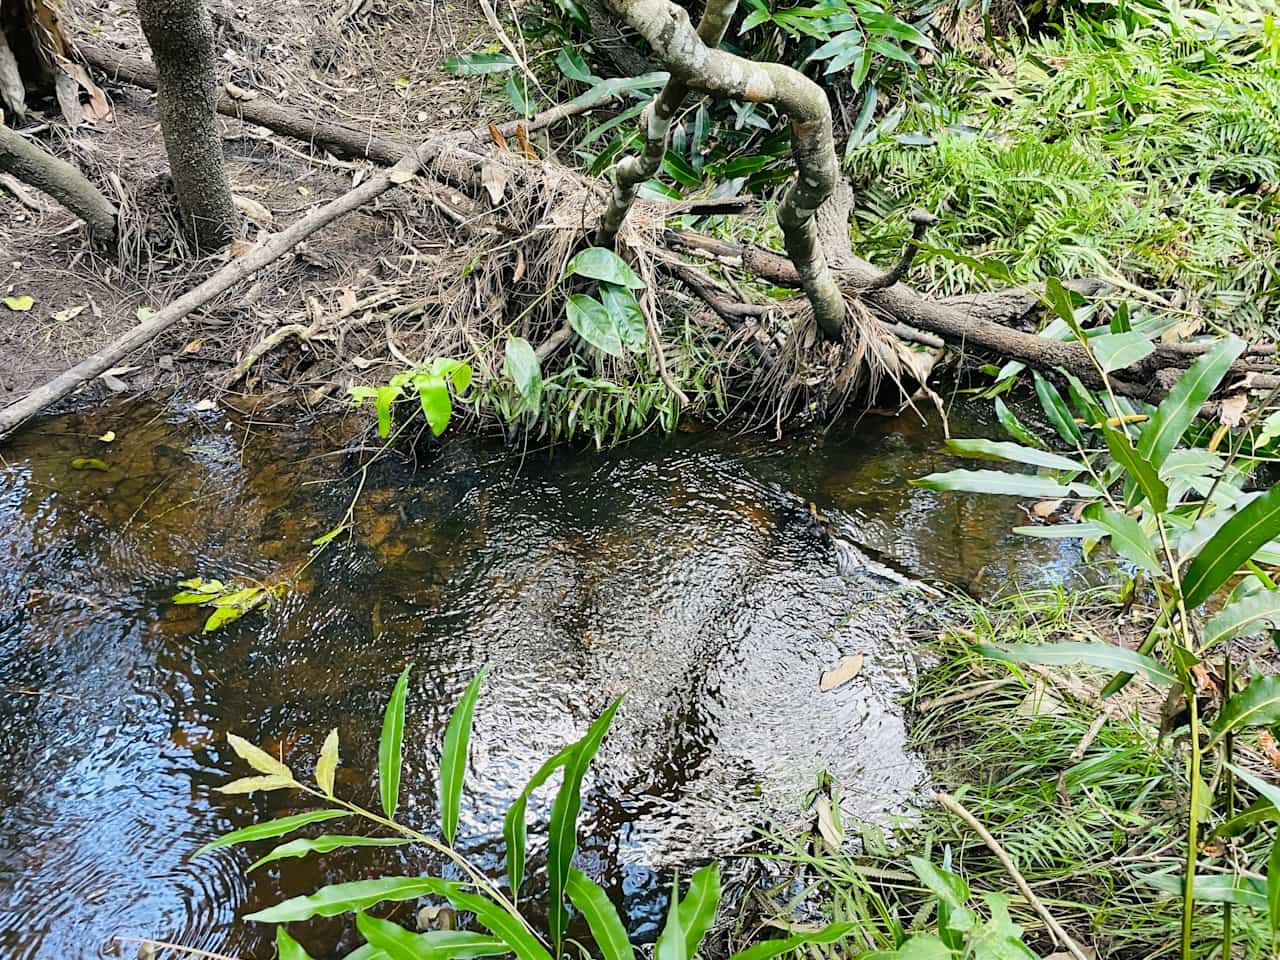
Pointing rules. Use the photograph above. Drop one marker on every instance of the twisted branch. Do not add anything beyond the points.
(697, 65)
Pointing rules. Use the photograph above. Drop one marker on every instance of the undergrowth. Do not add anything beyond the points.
(1088, 832)
(1141, 148)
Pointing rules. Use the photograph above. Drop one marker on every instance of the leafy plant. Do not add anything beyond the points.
(230, 601)
(430, 382)
(506, 929)
(1181, 520)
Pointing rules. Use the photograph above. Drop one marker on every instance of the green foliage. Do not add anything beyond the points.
(430, 382)
(1136, 146)
(230, 601)
(509, 931)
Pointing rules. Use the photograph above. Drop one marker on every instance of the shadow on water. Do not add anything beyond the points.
(688, 572)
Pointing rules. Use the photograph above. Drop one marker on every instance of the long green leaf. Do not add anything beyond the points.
(1071, 652)
(1001, 450)
(1267, 792)
(1247, 615)
(1215, 888)
(464, 945)
(453, 762)
(389, 746)
(698, 908)
(774, 948)
(325, 844)
(1128, 540)
(601, 916)
(1015, 427)
(1115, 351)
(996, 481)
(562, 833)
(1257, 705)
(1235, 542)
(288, 948)
(508, 928)
(394, 940)
(514, 827)
(270, 828)
(1138, 468)
(1261, 810)
(1055, 408)
(348, 897)
(1177, 411)
(672, 944)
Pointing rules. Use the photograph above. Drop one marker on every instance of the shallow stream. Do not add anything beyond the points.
(689, 572)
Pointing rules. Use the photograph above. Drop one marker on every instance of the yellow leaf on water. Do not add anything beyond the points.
(327, 765)
(19, 304)
(844, 671)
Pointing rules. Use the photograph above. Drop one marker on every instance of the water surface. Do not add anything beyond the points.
(689, 573)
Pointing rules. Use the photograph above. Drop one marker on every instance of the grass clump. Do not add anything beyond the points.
(1093, 830)
(1141, 148)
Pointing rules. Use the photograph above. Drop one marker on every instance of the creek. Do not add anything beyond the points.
(689, 572)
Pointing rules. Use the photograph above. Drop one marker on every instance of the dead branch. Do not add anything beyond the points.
(277, 246)
(60, 180)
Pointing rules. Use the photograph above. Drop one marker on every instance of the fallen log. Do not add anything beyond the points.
(959, 328)
(17, 413)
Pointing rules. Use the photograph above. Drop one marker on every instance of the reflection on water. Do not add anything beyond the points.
(689, 573)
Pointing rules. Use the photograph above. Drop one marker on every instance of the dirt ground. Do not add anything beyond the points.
(376, 65)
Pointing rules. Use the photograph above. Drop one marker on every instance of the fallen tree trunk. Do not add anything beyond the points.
(960, 328)
(60, 180)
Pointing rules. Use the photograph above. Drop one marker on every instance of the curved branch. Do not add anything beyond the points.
(681, 50)
(60, 180)
(655, 121)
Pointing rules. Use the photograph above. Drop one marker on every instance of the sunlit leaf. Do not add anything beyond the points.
(327, 764)
(1073, 652)
(998, 481)
(305, 845)
(256, 784)
(562, 833)
(514, 828)
(270, 828)
(437, 406)
(672, 944)
(288, 948)
(507, 927)
(698, 907)
(348, 897)
(389, 746)
(601, 916)
(453, 761)
(258, 758)
(1115, 351)
(999, 450)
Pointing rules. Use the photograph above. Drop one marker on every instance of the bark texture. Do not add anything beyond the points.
(60, 180)
(180, 35)
(655, 123)
(667, 30)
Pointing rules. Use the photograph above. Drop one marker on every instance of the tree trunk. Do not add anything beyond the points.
(60, 180)
(180, 35)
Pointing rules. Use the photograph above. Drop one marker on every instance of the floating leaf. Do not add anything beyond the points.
(453, 762)
(324, 844)
(327, 764)
(844, 671)
(348, 897)
(389, 746)
(270, 828)
(601, 916)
